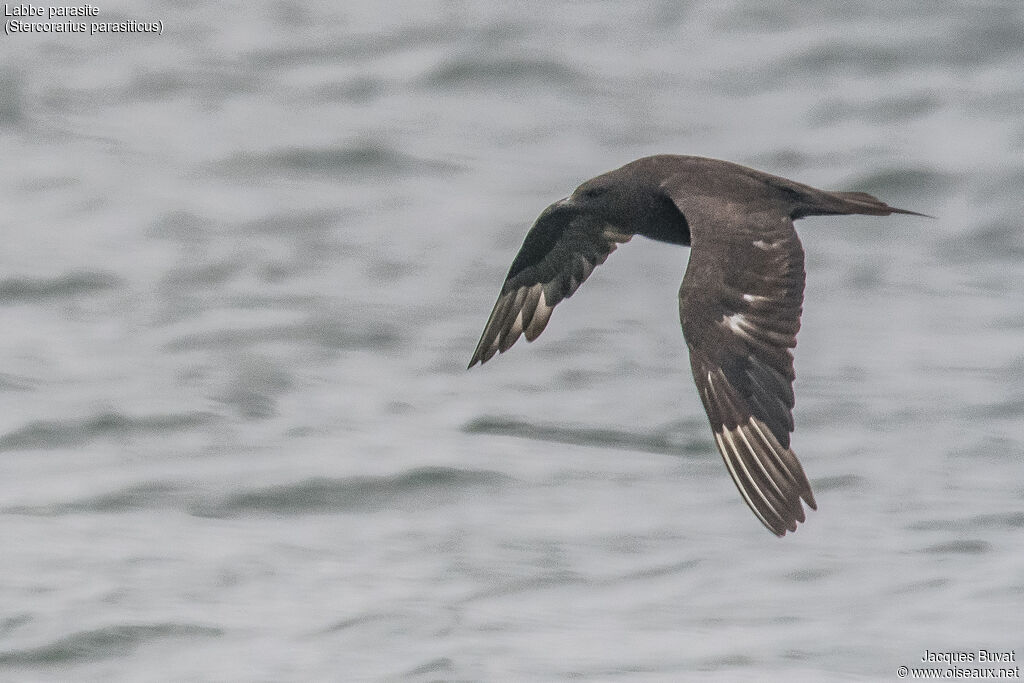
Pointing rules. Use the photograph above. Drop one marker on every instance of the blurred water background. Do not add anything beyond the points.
(245, 263)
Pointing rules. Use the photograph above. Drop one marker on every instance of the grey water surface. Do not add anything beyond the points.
(245, 264)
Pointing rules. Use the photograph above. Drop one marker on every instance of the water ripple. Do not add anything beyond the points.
(64, 286)
(326, 331)
(414, 489)
(662, 441)
(101, 643)
(12, 98)
(842, 482)
(962, 546)
(1002, 521)
(43, 434)
(360, 159)
(485, 71)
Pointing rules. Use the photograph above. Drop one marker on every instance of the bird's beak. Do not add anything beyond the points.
(565, 201)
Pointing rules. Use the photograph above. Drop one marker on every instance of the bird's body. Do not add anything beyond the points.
(739, 303)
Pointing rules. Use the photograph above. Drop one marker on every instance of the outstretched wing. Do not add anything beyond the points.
(740, 305)
(560, 251)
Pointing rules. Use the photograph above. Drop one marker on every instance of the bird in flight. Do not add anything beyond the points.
(739, 303)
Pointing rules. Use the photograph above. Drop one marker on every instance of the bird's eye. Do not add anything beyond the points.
(592, 192)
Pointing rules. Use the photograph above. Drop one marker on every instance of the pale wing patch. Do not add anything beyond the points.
(767, 474)
(748, 488)
(540, 316)
(785, 460)
(750, 328)
(531, 318)
(763, 472)
(737, 322)
(767, 246)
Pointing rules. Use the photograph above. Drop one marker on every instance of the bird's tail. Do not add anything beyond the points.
(862, 202)
(832, 203)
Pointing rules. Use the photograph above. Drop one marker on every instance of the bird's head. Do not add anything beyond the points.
(633, 203)
(604, 198)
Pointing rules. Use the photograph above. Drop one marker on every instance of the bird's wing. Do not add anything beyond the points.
(740, 305)
(559, 252)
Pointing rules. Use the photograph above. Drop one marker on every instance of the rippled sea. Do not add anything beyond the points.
(245, 264)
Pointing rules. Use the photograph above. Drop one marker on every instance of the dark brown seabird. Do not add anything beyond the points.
(739, 303)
